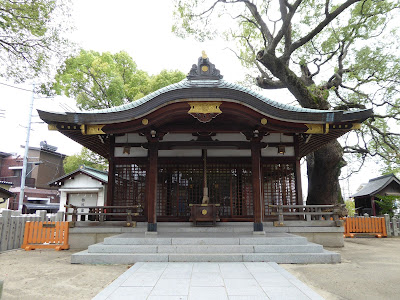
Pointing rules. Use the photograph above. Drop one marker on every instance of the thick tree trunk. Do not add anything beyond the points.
(323, 169)
(323, 166)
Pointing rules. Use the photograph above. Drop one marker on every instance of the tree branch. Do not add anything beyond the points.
(329, 18)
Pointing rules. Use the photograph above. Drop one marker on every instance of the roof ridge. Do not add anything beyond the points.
(91, 168)
(383, 176)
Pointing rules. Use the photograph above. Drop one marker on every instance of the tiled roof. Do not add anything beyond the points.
(6, 182)
(222, 84)
(375, 185)
(97, 174)
(205, 89)
(6, 194)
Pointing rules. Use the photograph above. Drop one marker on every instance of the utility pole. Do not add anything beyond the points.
(25, 161)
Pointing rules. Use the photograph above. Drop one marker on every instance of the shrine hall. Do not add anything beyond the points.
(204, 141)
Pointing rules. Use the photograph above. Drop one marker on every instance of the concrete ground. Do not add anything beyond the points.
(370, 269)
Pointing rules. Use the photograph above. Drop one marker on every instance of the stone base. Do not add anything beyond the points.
(82, 237)
(326, 239)
(259, 232)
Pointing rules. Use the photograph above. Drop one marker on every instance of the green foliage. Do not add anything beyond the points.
(31, 35)
(350, 206)
(346, 53)
(387, 204)
(103, 80)
(87, 158)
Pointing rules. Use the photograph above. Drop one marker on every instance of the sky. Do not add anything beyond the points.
(141, 28)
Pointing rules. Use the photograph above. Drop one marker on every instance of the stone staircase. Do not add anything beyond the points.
(201, 244)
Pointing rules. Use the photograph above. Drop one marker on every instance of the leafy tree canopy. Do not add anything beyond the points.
(387, 204)
(31, 36)
(103, 80)
(87, 158)
(327, 54)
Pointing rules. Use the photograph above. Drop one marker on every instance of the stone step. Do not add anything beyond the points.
(217, 249)
(205, 239)
(124, 258)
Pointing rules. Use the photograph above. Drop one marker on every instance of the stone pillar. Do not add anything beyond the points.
(151, 186)
(396, 230)
(257, 195)
(387, 223)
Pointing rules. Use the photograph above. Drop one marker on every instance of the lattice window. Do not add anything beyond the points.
(178, 186)
(230, 185)
(279, 185)
(130, 185)
(182, 184)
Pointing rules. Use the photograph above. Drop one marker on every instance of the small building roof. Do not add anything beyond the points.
(6, 182)
(101, 176)
(5, 194)
(4, 154)
(376, 185)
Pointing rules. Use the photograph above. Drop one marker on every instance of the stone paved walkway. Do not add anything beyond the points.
(207, 281)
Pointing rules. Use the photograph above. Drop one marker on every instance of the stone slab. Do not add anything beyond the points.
(84, 257)
(214, 282)
(205, 249)
(308, 248)
(326, 257)
(102, 248)
(205, 257)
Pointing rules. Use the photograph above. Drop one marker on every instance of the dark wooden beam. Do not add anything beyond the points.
(297, 174)
(151, 186)
(256, 175)
(111, 173)
(203, 145)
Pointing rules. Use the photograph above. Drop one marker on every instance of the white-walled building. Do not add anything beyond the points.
(83, 187)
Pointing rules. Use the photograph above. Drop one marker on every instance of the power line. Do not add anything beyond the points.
(15, 87)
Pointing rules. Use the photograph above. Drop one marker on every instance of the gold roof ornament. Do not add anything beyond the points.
(203, 54)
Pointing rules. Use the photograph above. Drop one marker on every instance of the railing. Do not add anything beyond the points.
(100, 213)
(308, 213)
(365, 225)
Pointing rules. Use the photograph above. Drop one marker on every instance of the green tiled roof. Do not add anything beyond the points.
(99, 175)
(220, 84)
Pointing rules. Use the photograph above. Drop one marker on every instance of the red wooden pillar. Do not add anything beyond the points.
(256, 176)
(373, 210)
(111, 174)
(297, 174)
(151, 186)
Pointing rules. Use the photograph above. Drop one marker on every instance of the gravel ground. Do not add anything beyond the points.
(370, 269)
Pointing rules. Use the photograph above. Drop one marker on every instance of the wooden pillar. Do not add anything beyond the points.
(297, 174)
(373, 210)
(256, 176)
(111, 173)
(151, 186)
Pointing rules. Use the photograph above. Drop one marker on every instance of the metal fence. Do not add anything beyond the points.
(12, 226)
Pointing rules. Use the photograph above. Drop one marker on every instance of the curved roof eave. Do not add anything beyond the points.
(205, 89)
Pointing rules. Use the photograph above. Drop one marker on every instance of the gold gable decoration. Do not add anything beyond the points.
(204, 111)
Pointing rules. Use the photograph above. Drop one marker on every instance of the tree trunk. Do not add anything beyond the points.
(323, 169)
(323, 166)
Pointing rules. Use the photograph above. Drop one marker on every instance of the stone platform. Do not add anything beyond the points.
(224, 244)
